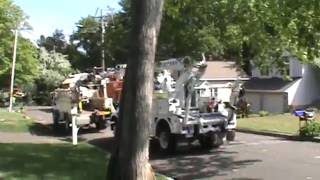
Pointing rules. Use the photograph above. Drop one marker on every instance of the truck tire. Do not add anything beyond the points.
(166, 140)
(99, 122)
(231, 135)
(113, 125)
(211, 140)
(55, 117)
(66, 128)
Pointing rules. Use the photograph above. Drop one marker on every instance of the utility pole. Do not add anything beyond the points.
(13, 67)
(104, 22)
(102, 39)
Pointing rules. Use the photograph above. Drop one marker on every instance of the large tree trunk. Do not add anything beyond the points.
(130, 159)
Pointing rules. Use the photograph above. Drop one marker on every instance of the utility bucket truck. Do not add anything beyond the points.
(87, 96)
(176, 112)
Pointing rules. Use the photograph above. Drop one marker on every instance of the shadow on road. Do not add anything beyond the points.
(195, 163)
(40, 129)
(190, 162)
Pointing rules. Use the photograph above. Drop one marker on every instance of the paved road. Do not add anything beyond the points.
(250, 157)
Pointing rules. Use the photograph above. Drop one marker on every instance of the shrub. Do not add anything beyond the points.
(311, 129)
(4, 99)
(263, 113)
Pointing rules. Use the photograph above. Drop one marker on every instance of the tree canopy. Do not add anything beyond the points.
(56, 42)
(11, 17)
(241, 30)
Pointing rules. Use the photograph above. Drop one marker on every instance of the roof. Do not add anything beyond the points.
(268, 85)
(223, 70)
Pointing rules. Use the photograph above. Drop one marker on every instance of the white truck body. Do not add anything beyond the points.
(176, 113)
(69, 101)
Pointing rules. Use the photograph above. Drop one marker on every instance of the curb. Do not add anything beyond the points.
(280, 135)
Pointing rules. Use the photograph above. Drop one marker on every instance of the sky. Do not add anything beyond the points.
(47, 15)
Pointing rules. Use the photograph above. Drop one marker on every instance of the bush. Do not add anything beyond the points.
(4, 99)
(311, 129)
(263, 113)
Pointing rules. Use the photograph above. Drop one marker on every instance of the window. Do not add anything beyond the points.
(215, 90)
(285, 69)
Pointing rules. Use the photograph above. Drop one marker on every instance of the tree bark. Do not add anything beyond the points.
(130, 159)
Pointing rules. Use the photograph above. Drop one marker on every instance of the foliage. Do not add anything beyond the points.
(56, 42)
(86, 41)
(54, 67)
(311, 129)
(116, 39)
(264, 32)
(11, 17)
(245, 30)
(27, 62)
(4, 99)
(263, 113)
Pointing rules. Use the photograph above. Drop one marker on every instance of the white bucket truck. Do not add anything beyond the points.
(176, 112)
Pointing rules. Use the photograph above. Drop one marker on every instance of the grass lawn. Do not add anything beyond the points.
(13, 122)
(53, 161)
(282, 123)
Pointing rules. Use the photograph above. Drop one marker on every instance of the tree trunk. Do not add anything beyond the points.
(130, 159)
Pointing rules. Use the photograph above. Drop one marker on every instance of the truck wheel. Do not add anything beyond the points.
(231, 135)
(167, 141)
(99, 122)
(153, 145)
(55, 117)
(113, 125)
(212, 140)
(66, 126)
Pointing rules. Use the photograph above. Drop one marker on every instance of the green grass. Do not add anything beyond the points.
(13, 122)
(52, 161)
(282, 123)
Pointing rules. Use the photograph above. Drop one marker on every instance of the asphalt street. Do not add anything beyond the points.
(250, 157)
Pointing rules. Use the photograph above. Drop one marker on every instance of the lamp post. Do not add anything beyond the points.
(14, 57)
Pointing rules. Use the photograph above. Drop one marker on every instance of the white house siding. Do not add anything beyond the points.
(296, 68)
(254, 100)
(271, 102)
(255, 72)
(218, 89)
(307, 89)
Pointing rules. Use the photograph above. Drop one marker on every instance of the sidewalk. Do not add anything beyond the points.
(27, 138)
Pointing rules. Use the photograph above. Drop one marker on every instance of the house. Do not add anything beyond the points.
(218, 78)
(268, 90)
